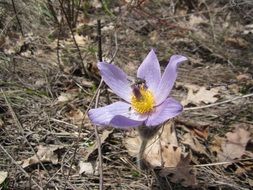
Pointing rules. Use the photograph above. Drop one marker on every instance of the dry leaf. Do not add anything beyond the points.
(198, 128)
(216, 144)
(235, 144)
(248, 29)
(96, 4)
(161, 150)
(243, 77)
(154, 36)
(250, 181)
(196, 20)
(3, 176)
(108, 27)
(182, 173)
(87, 168)
(236, 42)
(77, 116)
(194, 144)
(197, 95)
(132, 143)
(245, 166)
(40, 83)
(81, 40)
(202, 133)
(67, 96)
(44, 154)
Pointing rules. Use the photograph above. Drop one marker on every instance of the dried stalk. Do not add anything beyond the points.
(16, 15)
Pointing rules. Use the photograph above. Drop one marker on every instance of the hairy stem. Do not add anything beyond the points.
(146, 133)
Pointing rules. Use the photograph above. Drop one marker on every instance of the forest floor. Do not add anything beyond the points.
(49, 80)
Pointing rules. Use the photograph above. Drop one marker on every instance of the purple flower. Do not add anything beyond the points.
(146, 102)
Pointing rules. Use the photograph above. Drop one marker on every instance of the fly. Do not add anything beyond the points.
(138, 84)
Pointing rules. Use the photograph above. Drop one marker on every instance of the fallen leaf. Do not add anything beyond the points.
(243, 77)
(245, 167)
(236, 42)
(240, 171)
(96, 4)
(250, 181)
(64, 97)
(40, 83)
(248, 29)
(234, 88)
(182, 173)
(3, 176)
(202, 133)
(87, 168)
(108, 27)
(161, 150)
(76, 115)
(235, 144)
(194, 144)
(132, 143)
(67, 96)
(196, 20)
(197, 95)
(199, 128)
(81, 40)
(216, 145)
(44, 154)
(154, 36)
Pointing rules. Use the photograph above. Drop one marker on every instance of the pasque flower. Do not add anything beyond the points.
(146, 102)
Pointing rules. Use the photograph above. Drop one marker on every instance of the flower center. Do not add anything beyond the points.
(142, 101)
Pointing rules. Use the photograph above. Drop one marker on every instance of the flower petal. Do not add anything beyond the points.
(167, 110)
(150, 71)
(168, 78)
(116, 79)
(120, 121)
(114, 114)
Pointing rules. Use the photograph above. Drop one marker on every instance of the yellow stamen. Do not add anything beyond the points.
(145, 103)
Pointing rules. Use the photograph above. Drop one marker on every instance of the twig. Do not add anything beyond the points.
(20, 127)
(116, 47)
(99, 37)
(99, 146)
(16, 15)
(218, 103)
(14, 161)
(77, 12)
(96, 105)
(74, 39)
(52, 10)
(79, 129)
(145, 14)
(222, 163)
(58, 46)
(7, 24)
(96, 97)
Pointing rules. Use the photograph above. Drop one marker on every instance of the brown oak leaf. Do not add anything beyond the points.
(235, 144)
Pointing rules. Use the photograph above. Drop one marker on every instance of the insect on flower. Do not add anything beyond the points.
(146, 102)
(137, 85)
